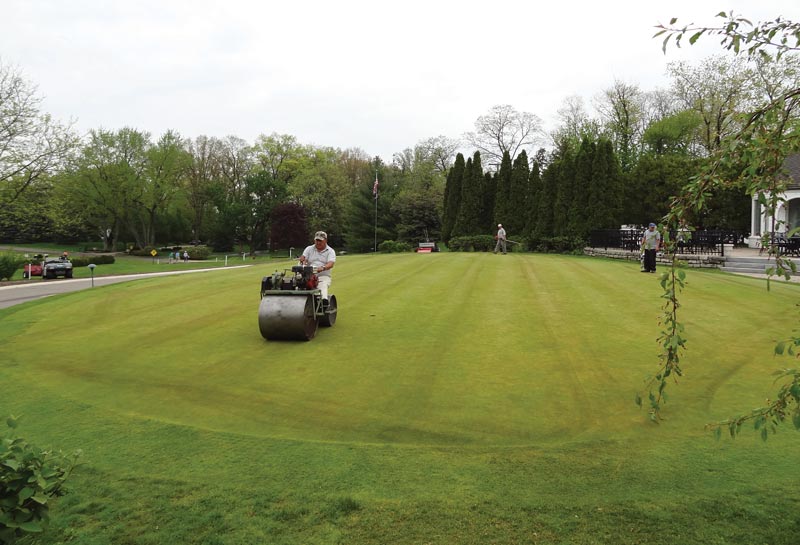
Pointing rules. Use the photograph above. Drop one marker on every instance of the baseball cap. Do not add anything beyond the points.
(499, 224)
(652, 225)
(320, 235)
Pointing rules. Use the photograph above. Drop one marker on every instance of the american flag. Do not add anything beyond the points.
(375, 187)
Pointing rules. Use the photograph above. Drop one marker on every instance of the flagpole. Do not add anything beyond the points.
(375, 191)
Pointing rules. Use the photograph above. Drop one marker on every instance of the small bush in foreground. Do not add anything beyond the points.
(29, 478)
(9, 263)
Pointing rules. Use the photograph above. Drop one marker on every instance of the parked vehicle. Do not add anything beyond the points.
(54, 268)
(31, 269)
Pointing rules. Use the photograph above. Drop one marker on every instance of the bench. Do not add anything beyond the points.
(789, 247)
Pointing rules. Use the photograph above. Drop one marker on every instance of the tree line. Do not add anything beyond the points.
(619, 165)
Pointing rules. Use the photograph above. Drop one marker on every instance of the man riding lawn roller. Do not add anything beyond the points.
(322, 257)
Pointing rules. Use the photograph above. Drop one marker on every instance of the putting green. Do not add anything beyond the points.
(438, 349)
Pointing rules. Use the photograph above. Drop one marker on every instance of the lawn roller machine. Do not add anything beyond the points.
(292, 306)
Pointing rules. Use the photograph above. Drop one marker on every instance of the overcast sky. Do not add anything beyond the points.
(380, 76)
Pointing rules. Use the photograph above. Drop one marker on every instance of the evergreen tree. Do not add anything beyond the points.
(651, 184)
(417, 215)
(605, 193)
(565, 180)
(547, 200)
(518, 200)
(447, 185)
(503, 194)
(579, 210)
(468, 221)
(489, 194)
(466, 180)
(532, 200)
(452, 197)
(361, 229)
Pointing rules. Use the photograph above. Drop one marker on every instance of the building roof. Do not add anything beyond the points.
(792, 166)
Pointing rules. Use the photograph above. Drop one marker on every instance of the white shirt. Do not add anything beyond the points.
(315, 258)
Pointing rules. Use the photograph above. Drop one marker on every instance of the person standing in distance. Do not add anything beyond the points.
(322, 257)
(501, 239)
(651, 243)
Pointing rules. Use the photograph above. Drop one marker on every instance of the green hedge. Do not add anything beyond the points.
(474, 243)
(100, 259)
(556, 245)
(394, 246)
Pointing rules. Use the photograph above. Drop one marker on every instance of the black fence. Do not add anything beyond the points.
(624, 239)
(688, 242)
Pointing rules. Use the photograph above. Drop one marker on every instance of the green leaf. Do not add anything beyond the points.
(31, 526)
(694, 37)
(764, 434)
(13, 464)
(779, 348)
(40, 498)
(718, 433)
(11, 422)
(796, 419)
(638, 400)
(673, 20)
(25, 493)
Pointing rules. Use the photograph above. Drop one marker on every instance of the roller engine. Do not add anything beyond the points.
(292, 306)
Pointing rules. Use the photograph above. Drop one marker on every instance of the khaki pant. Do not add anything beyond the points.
(324, 283)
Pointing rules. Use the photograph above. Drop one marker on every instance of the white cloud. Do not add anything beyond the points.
(380, 76)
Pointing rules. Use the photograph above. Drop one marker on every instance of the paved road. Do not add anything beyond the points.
(28, 291)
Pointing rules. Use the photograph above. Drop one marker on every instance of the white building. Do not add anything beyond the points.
(787, 216)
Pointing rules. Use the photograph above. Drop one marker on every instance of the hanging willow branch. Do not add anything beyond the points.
(757, 152)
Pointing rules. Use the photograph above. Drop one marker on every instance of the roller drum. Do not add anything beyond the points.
(287, 317)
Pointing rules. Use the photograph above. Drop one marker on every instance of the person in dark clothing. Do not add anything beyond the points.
(651, 243)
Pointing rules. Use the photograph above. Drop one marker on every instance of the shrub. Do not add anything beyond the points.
(473, 243)
(100, 259)
(198, 252)
(556, 245)
(9, 263)
(29, 478)
(393, 246)
(145, 252)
